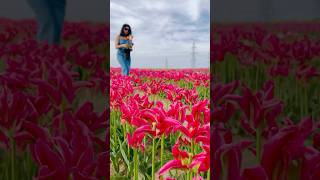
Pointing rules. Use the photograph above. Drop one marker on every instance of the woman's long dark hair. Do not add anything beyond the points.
(122, 30)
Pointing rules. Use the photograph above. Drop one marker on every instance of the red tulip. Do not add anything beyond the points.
(178, 162)
(285, 146)
(254, 173)
(316, 140)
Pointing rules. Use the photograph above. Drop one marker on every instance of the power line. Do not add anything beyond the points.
(193, 60)
(166, 63)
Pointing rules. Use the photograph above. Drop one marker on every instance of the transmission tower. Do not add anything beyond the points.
(193, 60)
(166, 63)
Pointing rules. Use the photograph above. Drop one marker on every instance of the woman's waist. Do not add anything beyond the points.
(124, 50)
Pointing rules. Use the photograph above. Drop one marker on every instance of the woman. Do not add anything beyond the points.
(124, 44)
(50, 16)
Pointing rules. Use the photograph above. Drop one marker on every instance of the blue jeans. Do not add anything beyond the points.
(50, 17)
(124, 62)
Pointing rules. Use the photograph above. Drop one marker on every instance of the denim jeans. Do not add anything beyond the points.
(124, 62)
(50, 17)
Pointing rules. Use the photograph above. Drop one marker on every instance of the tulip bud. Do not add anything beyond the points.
(154, 126)
(157, 131)
(196, 168)
(185, 161)
(123, 121)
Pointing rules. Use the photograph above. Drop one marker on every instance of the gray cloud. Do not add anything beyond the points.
(77, 10)
(264, 10)
(163, 29)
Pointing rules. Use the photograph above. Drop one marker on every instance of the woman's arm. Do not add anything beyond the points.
(130, 38)
(116, 42)
(117, 45)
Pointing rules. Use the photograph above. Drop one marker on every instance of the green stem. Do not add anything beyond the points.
(124, 131)
(297, 94)
(192, 151)
(12, 155)
(258, 144)
(114, 126)
(125, 138)
(161, 150)
(223, 168)
(128, 147)
(257, 75)
(144, 152)
(28, 165)
(305, 101)
(192, 147)
(153, 155)
(301, 101)
(135, 176)
(208, 174)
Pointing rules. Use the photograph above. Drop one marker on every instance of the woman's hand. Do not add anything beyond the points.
(124, 46)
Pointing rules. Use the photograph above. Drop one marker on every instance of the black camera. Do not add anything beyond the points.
(128, 50)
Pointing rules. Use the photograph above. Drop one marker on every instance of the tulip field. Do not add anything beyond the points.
(160, 124)
(261, 99)
(265, 94)
(53, 107)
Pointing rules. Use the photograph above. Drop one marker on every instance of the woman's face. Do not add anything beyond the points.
(126, 30)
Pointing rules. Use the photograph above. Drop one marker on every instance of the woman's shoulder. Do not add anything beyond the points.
(130, 37)
(121, 37)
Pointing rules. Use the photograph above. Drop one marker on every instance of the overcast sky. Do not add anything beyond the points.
(163, 29)
(264, 10)
(77, 10)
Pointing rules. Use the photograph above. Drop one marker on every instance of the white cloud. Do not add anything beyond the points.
(194, 9)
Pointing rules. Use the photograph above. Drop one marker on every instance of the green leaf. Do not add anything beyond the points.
(119, 178)
(124, 156)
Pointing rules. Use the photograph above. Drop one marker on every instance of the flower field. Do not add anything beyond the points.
(266, 101)
(160, 124)
(53, 107)
(264, 98)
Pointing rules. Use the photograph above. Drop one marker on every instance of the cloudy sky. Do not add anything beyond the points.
(264, 10)
(77, 10)
(163, 29)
